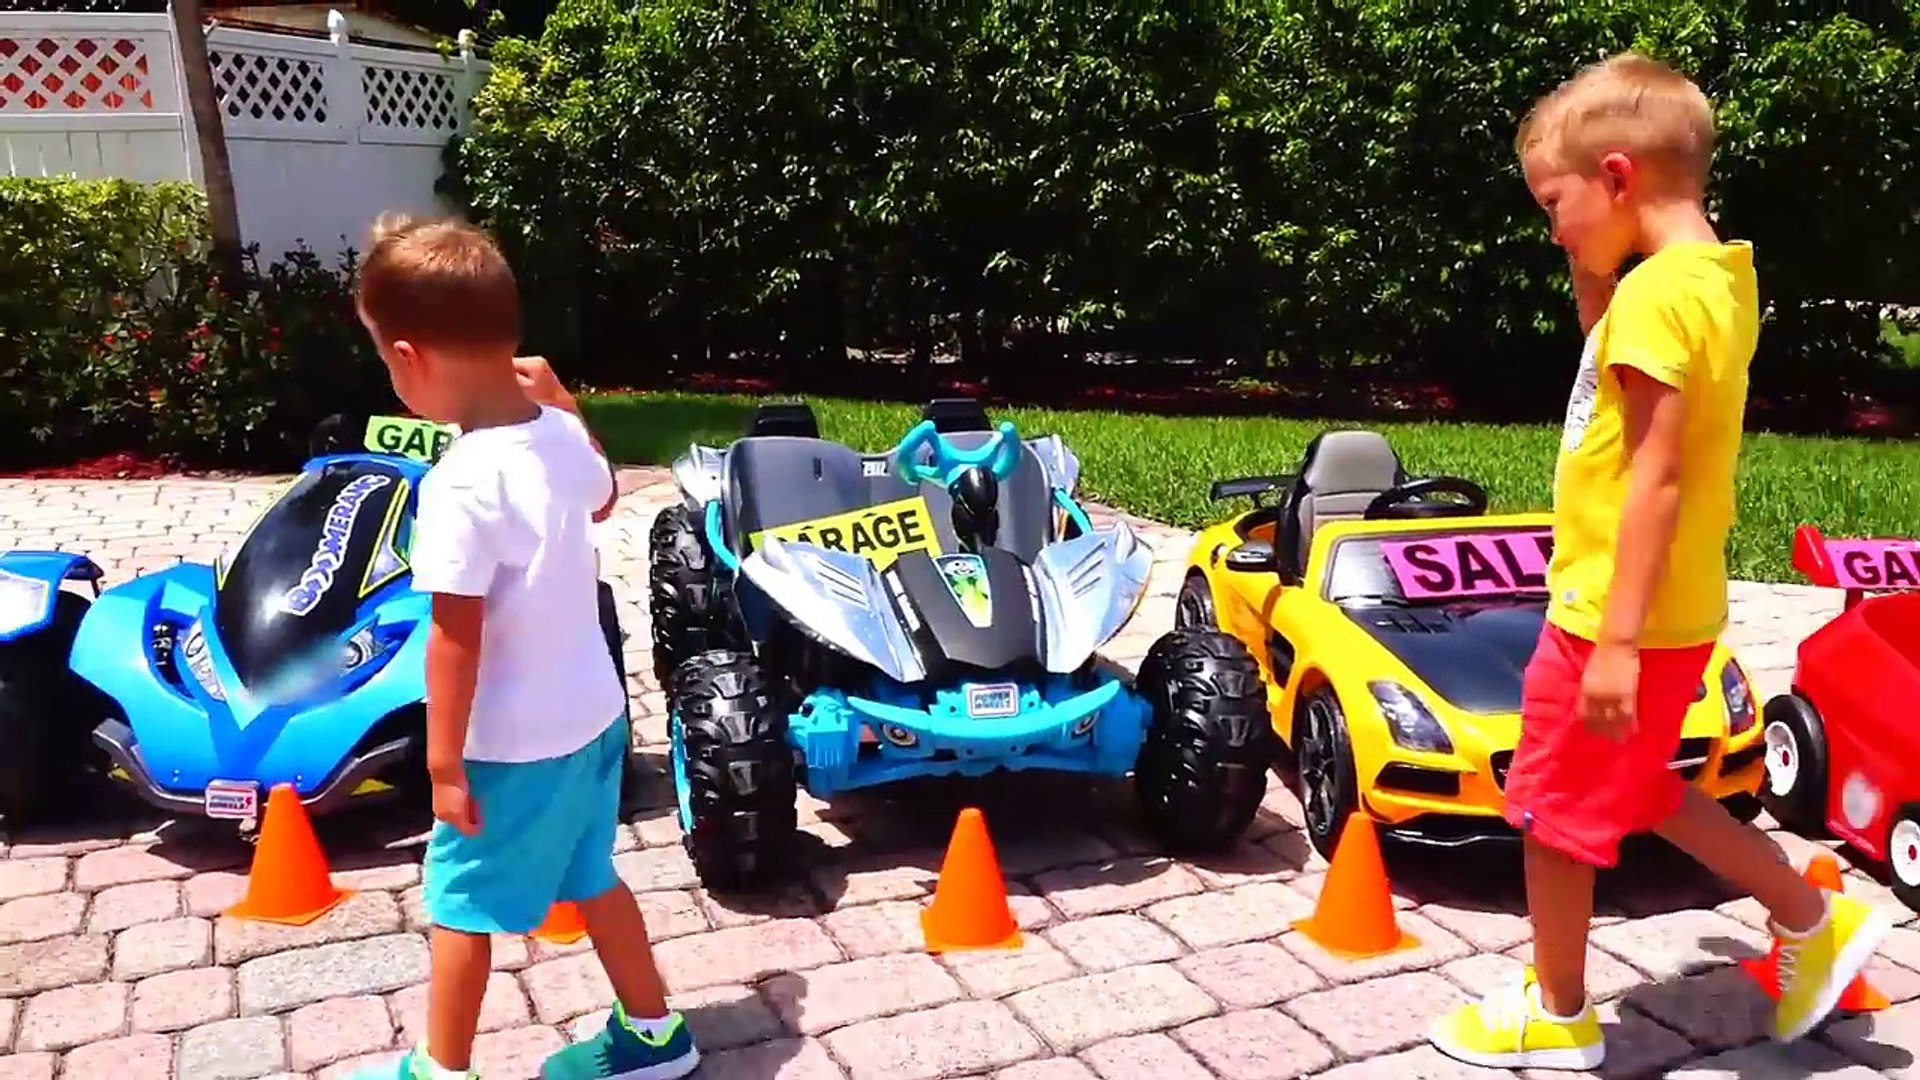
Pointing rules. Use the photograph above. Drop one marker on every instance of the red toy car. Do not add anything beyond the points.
(1843, 747)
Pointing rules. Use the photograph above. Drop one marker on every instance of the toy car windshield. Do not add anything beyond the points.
(1441, 567)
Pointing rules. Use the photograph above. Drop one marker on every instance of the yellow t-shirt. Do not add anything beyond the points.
(1689, 316)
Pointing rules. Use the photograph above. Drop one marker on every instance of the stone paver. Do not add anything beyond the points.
(117, 960)
(179, 1000)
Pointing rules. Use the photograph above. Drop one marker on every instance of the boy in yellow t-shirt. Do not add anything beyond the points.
(1618, 158)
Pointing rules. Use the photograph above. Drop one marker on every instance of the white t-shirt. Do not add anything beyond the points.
(505, 514)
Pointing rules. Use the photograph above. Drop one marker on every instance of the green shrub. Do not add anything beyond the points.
(1329, 183)
(115, 334)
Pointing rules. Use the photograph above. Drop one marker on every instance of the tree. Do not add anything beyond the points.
(197, 73)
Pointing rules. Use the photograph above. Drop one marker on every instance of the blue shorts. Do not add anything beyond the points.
(546, 835)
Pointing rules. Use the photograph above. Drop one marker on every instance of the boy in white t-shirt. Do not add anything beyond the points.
(526, 724)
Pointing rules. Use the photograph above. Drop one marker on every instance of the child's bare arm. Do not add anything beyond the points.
(1655, 416)
(453, 668)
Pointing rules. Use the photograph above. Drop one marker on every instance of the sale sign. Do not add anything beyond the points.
(1483, 564)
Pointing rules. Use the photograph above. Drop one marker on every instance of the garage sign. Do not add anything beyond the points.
(1875, 565)
(881, 533)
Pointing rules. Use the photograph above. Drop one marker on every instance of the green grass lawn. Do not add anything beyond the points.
(1159, 467)
(1906, 343)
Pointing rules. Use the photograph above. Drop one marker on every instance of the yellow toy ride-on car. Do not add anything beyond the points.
(1391, 618)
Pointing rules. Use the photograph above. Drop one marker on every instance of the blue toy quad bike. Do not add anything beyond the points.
(840, 620)
(298, 657)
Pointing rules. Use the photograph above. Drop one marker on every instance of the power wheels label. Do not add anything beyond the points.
(880, 534)
(332, 549)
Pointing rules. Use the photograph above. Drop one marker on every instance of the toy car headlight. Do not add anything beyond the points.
(23, 600)
(1739, 698)
(359, 649)
(193, 649)
(1413, 725)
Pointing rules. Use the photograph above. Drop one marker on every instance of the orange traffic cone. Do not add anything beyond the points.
(1823, 872)
(289, 882)
(563, 925)
(1354, 916)
(970, 909)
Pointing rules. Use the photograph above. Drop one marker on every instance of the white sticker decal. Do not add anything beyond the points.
(1859, 801)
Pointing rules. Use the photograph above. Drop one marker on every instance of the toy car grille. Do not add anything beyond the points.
(1687, 761)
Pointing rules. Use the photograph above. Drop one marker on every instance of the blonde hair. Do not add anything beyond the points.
(1628, 103)
(439, 283)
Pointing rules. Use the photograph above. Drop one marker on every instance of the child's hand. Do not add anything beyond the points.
(453, 804)
(539, 383)
(1608, 689)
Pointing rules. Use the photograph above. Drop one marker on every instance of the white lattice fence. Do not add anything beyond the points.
(93, 96)
(322, 134)
(409, 103)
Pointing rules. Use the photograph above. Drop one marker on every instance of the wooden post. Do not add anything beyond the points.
(197, 73)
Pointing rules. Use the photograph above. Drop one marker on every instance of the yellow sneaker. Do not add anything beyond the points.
(1816, 969)
(1510, 1029)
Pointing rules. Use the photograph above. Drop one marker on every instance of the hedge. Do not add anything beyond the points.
(1323, 186)
(115, 334)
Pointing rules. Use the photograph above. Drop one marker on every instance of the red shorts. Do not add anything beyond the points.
(1580, 793)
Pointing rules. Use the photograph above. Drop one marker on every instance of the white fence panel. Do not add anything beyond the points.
(322, 135)
(94, 96)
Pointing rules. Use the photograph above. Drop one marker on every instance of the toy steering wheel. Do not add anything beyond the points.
(1409, 500)
(1000, 454)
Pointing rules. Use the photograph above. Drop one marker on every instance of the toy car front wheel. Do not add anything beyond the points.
(1326, 783)
(1795, 788)
(733, 772)
(680, 594)
(1903, 855)
(1202, 770)
(1194, 608)
(43, 726)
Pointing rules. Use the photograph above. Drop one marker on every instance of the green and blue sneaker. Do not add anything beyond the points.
(625, 1050)
(414, 1065)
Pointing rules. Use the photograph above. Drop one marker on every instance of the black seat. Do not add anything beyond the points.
(774, 480)
(956, 414)
(1340, 473)
(784, 418)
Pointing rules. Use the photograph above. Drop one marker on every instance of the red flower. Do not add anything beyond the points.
(196, 361)
(106, 339)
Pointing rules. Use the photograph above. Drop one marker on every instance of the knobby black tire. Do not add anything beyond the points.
(46, 719)
(681, 598)
(1202, 770)
(740, 770)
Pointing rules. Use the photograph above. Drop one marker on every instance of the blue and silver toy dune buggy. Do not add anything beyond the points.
(841, 620)
(298, 657)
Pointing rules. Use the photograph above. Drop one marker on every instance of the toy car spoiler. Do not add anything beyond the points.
(1250, 486)
(1860, 566)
